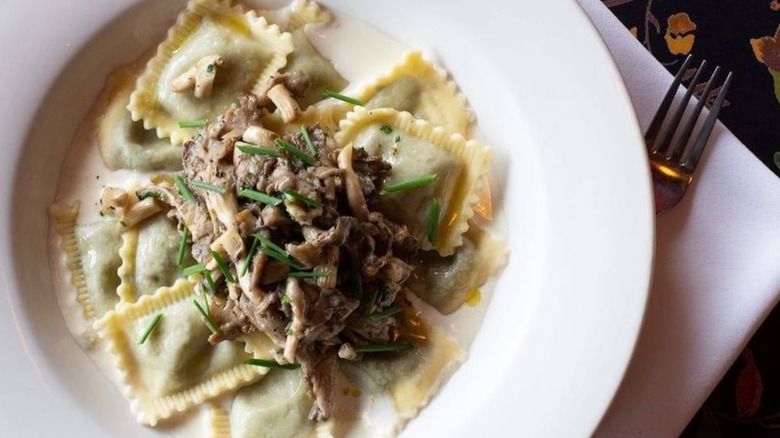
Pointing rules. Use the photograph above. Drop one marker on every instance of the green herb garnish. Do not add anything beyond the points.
(276, 252)
(344, 98)
(386, 129)
(207, 186)
(307, 274)
(301, 198)
(210, 68)
(307, 139)
(185, 235)
(153, 325)
(209, 320)
(249, 256)
(297, 153)
(378, 316)
(397, 139)
(184, 191)
(223, 267)
(123, 223)
(286, 299)
(194, 269)
(260, 197)
(377, 348)
(272, 364)
(210, 280)
(433, 220)
(269, 244)
(410, 184)
(192, 123)
(256, 150)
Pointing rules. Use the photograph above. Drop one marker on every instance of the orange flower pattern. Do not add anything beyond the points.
(679, 33)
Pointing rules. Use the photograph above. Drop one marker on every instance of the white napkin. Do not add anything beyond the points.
(717, 269)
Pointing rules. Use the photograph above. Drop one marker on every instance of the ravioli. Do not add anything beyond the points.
(415, 148)
(411, 378)
(276, 407)
(92, 256)
(123, 143)
(149, 254)
(251, 52)
(447, 282)
(419, 87)
(176, 367)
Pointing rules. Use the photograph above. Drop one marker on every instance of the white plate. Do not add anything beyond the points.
(576, 201)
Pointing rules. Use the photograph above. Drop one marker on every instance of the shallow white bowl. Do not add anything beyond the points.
(575, 204)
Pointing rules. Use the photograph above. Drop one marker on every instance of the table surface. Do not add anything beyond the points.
(742, 36)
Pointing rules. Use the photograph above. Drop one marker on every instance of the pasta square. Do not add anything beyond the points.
(423, 89)
(175, 368)
(92, 257)
(250, 53)
(416, 148)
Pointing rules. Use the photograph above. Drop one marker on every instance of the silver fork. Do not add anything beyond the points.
(673, 163)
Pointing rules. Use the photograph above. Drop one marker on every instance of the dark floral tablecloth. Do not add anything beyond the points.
(742, 36)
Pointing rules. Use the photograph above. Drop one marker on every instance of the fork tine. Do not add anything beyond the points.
(675, 122)
(691, 157)
(660, 115)
(678, 149)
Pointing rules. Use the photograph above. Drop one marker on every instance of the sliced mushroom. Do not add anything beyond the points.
(199, 77)
(259, 136)
(284, 101)
(357, 202)
(140, 211)
(114, 201)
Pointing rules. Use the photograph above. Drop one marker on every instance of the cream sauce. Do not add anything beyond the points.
(360, 53)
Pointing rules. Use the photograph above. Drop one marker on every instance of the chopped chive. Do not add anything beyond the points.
(260, 197)
(307, 274)
(192, 123)
(433, 221)
(207, 186)
(410, 184)
(386, 129)
(210, 281)
(209, 320)
(153, 325)
(286, 299)
(210, 68)
(397, 139)
(297, 153)
(378, 316)
(249, 256)
(205, 298)
(184, 191)
(307, 139)
(287, 260)
(377, 348)
(357, 277)
(185, 235)
(375, 299)
(272, 364)
(194, 269)
(223, 267)
(256, 150)
(344, 98)
(123, 223)
(301, 198)
(269, 244)
(276, 252)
